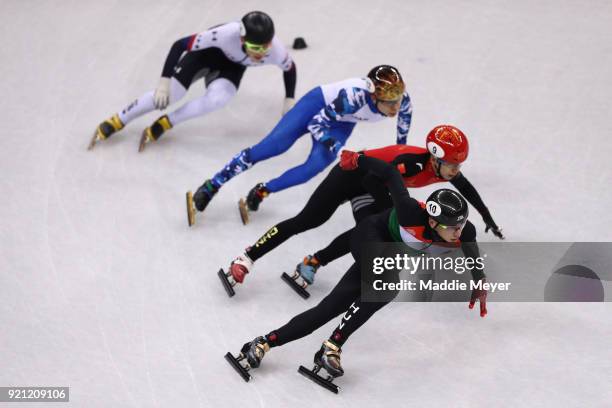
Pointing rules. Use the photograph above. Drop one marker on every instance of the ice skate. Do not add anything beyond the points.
(154, 132)
(303, 276)
(250, 357)
(237, 272)
(105, 130)
(199, 200)
(328, 358)
(254, 198)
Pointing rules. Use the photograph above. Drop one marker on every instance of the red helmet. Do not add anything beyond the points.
(447, 143)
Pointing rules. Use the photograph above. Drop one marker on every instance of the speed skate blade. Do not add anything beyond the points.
(143, 141)
(238, 367)
(190, 209)
(93, 141)
(311, 375)
(226, 283)
(294, 285)
(244, 211)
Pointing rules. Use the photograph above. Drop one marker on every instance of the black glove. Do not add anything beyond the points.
(491, 225)
(497, 231)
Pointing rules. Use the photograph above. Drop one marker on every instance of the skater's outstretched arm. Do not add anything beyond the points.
(290, 79)
(467, 190)
(471, 251)
(404, 117)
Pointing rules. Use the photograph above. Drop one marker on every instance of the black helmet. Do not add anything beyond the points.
(257, 27)
(447, 207)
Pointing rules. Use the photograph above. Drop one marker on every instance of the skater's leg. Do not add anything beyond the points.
(285, 133)
(356, 315)
(140, 106)
(144, 104)
(217, 95)
(320, 157)
(290, 128)
(184, 74)
(341, 245)
(211, 64)
(238, 164)
(336, 302)
(368, 230)
(323, 202)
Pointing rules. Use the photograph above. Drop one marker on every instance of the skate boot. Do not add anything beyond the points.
(251, 354)
(238, 270)
(306, 271)
(254, 198)
(204, 194)
(105, 130)
(255, 351)
(328, 357)
(240, 267)
(199, 200)
(155, 131)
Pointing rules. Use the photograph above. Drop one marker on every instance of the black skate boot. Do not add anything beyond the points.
(256, 196)
(251, 353)
(199, 200)
(155, 131)
(105, 130)
(204, 194)
(328, 357)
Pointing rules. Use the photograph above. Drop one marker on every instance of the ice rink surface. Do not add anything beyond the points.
(105, 289)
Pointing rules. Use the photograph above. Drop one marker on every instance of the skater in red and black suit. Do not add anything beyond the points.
(447, 148)
(433, 228)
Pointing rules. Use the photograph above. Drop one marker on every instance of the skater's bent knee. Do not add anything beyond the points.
(220, 100)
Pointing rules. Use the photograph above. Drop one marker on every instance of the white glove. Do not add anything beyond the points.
(288, 104)
(161, 98)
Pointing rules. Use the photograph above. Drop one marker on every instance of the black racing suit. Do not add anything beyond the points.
(345, 297)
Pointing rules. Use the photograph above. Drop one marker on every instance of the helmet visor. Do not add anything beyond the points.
(389, 103)
(453, 228)
(257, 48)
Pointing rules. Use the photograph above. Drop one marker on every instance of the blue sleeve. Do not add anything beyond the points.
(404, 118)
(347, 102)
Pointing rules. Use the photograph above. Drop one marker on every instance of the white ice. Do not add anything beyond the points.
(105, 289)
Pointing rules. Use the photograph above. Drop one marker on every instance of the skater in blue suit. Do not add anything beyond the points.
(329, 113)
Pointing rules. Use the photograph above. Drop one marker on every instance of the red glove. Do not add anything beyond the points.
(480, 295)
(348, 160)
